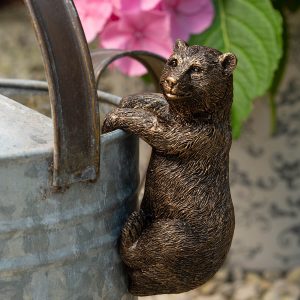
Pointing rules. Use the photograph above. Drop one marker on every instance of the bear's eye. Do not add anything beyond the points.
(196, 69)
(173, 63)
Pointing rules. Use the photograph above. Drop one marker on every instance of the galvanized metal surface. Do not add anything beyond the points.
(23, 132)
(68, 65)
(60, 245)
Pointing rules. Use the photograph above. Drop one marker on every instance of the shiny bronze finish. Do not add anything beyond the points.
(182, 233)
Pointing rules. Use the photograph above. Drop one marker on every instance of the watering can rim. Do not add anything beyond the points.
(46, 148)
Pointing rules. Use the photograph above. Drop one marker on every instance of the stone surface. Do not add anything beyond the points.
(271, 275)
(209, 287)
(246, 291)
(222, 275)
(281, 289)
(294, 276)
(237, 273)
(226, 289)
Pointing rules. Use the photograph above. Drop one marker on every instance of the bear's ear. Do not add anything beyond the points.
(180, 45)
(228, 62)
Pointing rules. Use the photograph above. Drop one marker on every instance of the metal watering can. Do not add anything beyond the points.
(62, 203)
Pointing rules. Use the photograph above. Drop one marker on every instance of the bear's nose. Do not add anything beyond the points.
(171, 81)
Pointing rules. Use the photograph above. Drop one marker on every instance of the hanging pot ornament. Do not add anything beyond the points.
(182, 233)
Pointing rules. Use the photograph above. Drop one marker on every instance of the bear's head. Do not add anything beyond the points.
(199, 76)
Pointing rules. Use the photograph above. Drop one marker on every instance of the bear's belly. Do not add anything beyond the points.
(185, 190)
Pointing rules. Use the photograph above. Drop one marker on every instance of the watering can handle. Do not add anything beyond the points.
(70, 73)
(72, 90)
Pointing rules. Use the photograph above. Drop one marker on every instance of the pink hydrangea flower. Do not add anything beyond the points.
(138, 30)
(93, 15)
(137, 5)
(151, 25)
(188, 16)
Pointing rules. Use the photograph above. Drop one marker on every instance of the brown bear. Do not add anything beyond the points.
(182, 233)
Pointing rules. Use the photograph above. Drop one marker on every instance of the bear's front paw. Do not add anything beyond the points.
(109, 123)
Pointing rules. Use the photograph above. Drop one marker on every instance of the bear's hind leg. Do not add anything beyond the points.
(158, 259)
(131, 232)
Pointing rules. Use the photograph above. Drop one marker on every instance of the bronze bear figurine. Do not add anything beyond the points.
(182, 233)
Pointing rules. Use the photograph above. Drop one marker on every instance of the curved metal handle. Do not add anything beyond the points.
(152, 62)
(72, 90)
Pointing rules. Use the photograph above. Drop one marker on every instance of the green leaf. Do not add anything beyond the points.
(252, 30)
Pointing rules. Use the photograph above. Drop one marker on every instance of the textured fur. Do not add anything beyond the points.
(182, 233)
